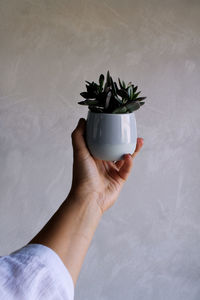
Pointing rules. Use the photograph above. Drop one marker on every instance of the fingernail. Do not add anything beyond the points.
(142, 140)
(128, 155)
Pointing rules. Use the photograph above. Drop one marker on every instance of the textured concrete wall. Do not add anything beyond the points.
(148, 245)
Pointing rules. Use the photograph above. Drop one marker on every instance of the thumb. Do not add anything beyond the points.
(78, 141)
(126, 168)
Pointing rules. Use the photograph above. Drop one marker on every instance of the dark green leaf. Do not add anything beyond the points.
(85, 95)
(105, 87)
(124, 101)
(120, 84)
(90, 90)
(96, 109)
(113, 87)
(116, 87)
(120, 110)
(124, 84)
(130, 91)
(135, 95)
(141, 98)
(135, 89)
(132, 94)
(108, 97)
(133, 106)
(108, 79)
(89, 102)
(101, 80)
(118, 99)
(123, 93)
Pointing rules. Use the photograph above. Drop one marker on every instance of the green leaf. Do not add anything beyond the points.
(101, 97)
(135, 89)
(141, 98)
(101, 81)
(133, 106)
(108, 98)
(91, 90)
(108, 79)
(120, 84)
(107, 90)
(141, 103)
(120, 110)
(105, 87)
(135, 95)
(130, 92)
(124, 101)
(118, 99)
(85, 95)
(89, 102)
(124, 84)
(96, 109)
(113, 87)
(123, 93)
(116, 87)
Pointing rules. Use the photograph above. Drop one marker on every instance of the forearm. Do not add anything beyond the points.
(70, 231)
(95, 187)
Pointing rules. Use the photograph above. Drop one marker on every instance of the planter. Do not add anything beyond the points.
(110, 136)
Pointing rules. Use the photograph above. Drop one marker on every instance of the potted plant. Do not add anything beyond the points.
(111, 125)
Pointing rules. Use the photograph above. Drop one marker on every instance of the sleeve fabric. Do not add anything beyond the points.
(34, 272)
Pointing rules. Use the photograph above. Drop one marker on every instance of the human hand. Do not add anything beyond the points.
(95, 179)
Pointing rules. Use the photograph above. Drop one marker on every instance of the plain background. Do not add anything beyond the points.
(148, 245)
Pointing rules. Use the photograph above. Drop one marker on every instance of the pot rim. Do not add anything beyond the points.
(96, 113)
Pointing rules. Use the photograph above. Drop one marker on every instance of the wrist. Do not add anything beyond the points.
(85, 212)
(90, 200)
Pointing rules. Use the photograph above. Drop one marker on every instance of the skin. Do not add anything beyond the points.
(96, 185)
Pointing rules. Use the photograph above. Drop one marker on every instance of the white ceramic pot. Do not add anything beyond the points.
(110, 136)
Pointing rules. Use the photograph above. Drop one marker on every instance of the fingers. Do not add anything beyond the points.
(139, 145)
(119, 163)
(78, 141)
(126, 167)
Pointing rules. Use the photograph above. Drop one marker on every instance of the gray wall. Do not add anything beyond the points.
(148, 245)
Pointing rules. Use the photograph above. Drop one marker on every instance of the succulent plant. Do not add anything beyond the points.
(111, 98)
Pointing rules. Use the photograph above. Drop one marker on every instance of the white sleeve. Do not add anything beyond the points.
(34, 272)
